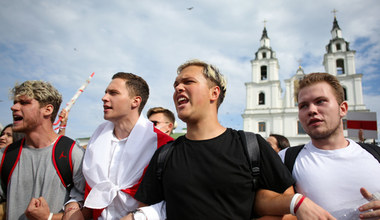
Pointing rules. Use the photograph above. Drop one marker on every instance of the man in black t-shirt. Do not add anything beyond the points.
(207, 175)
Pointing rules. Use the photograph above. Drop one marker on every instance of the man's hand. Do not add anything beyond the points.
(37, 209)
(371, 209)
(73, 212)
(310, 210)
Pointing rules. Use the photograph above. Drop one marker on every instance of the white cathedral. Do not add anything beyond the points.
(269, 111)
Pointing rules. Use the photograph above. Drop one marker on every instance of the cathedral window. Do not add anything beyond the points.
(300, 129)
(261, 126)
(344, 94)
(338, 47)
(263, 72)
(264, 55)
(344, 124)
(261, 98)
(340, 66)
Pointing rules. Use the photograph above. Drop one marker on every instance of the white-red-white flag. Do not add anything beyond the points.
(366, 121)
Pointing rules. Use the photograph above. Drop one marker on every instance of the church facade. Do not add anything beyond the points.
(269, 110)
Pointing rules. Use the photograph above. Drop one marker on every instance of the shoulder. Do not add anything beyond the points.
(282, 154)
(162, 138)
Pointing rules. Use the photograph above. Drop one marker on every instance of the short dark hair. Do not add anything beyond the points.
(282, 141)
(168, 114)
(136, 86)
(314, 78)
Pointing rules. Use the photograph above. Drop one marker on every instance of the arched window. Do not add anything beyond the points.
(344, 94)
(264, 55)
(300, 129)
(340, 66)
(262, 127)
(263, 72)
(261, 98)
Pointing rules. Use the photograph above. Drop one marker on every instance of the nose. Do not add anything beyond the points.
(14, 107)
(179, 87)
(105, 97)
(312, 110)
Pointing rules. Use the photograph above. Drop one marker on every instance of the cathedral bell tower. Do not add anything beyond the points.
(263, 99)
(339, 61)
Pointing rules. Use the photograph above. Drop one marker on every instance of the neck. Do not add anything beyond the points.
(124, 127)
(41, 138)
(332, 143)
(204, 129)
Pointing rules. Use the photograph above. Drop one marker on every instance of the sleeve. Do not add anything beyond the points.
(77, 192)
(273, 173)
(150, 190)
(282, 154)
(155, 212)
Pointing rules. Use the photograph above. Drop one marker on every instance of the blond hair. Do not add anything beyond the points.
(41, 91)
(211, 73)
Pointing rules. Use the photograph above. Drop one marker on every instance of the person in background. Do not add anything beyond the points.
(335, 172)
(64, 116)
(8, 136)
(163, 119)
(35, 108)
(278, 142)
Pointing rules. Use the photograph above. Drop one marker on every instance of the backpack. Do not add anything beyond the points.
(251, 150)
(61, 158)
(292, 153)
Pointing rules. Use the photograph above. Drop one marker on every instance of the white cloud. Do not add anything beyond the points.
(65, 41)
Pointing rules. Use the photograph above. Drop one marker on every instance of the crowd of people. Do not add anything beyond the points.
(133, 169)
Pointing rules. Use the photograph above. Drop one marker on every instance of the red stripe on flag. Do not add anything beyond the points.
(365, 125)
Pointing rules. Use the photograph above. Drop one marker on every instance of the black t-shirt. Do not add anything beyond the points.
(211, 179)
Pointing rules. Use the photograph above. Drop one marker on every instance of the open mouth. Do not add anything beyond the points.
(106, 107)
(314, 121)
(182, 100)
(17, 118)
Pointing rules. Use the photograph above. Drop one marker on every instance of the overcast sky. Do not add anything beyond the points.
(63, 42)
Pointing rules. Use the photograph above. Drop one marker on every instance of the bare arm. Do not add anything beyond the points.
(270, 203)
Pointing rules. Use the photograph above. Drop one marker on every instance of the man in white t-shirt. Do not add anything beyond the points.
(333, 171)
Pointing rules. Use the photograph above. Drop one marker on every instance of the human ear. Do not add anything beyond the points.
(215, 92)
(343, 108)
(136, 101)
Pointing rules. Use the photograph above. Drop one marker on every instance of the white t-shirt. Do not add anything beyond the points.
(333, 178)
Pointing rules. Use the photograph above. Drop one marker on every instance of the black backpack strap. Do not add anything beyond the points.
(291, 155)
(9, 161)
(62, 160)
(253, 152)
(372, 149)
(162, 158)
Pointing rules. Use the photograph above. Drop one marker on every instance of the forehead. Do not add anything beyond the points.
(191, 71)
(157, 116)
(117, 84)
(23, 98)
(320, 89)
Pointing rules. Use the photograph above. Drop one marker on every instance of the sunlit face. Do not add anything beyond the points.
(27, 114)
(273, 142)
(319, 112)
(191, 93)
(116, 101)
(6, 137)
(161, 122)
